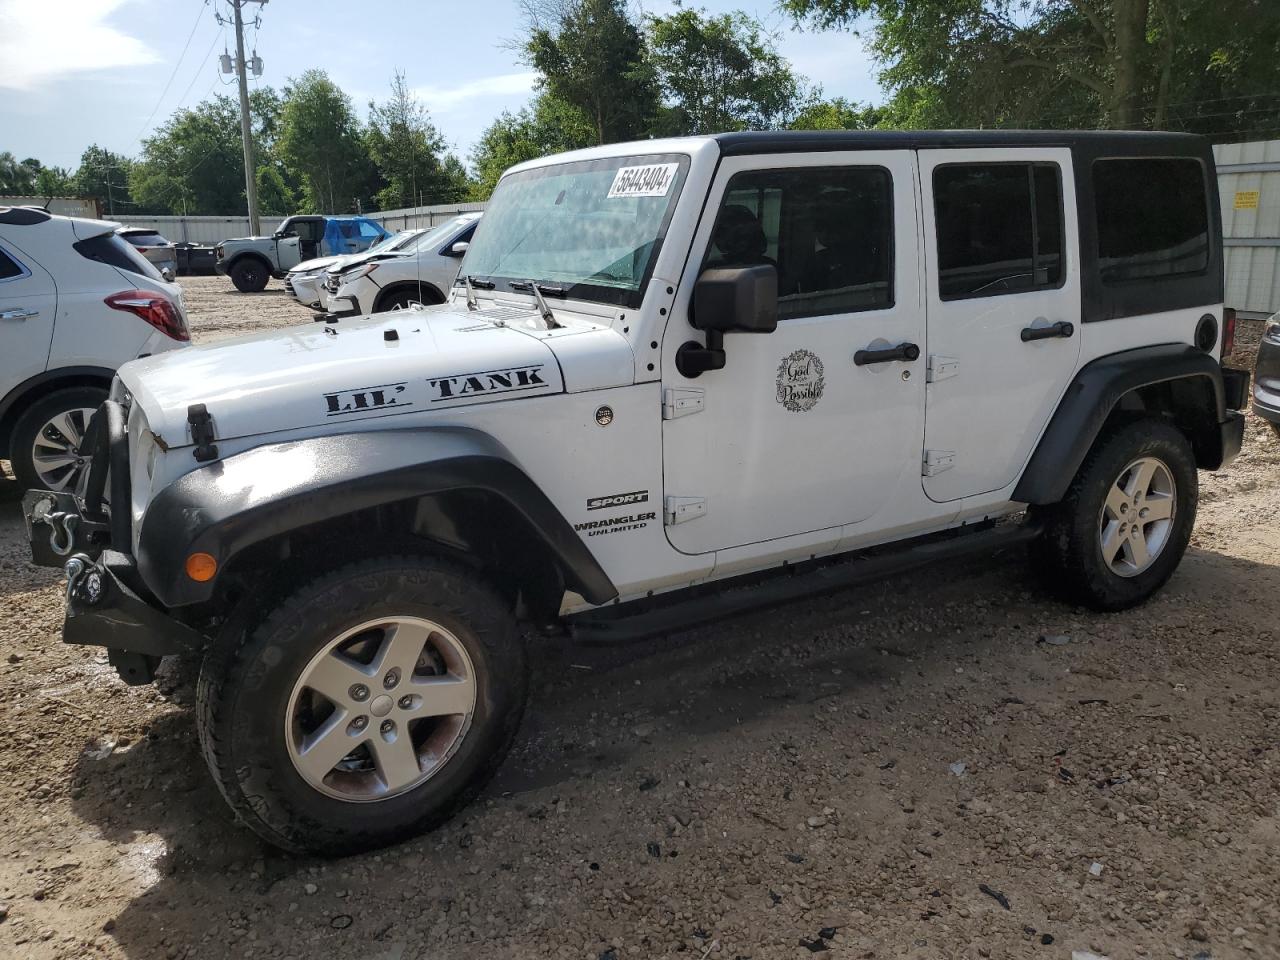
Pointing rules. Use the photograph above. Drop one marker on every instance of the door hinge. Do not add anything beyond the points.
(679, 509)
(941, 368)
(681, 401)
(937, 461)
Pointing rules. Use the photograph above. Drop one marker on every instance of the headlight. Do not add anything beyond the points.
(357, 272)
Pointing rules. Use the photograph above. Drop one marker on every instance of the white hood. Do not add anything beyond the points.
(306, 376)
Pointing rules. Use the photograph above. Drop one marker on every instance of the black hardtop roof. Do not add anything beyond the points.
(1091, 142)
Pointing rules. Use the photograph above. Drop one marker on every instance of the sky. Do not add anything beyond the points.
(76, 72)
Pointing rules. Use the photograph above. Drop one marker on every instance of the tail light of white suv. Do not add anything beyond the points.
(157, 309)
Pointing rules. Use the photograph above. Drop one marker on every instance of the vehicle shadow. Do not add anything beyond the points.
(592, 710)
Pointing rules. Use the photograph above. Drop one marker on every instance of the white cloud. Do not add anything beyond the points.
(45, 40)
(444, 99)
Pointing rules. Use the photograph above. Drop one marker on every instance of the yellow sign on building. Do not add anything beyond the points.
(1247, 199)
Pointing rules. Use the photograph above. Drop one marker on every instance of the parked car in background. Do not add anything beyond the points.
(251, 261)
(305, 282)
(1266, 375)
(386, 281)
(76, 301)
(154, 247)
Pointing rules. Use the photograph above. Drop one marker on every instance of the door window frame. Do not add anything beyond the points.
(1035, 231)
(891, 211)
(23, 270)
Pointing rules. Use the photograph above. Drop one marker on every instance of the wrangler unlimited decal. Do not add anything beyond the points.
(490, 381)
(632, 521)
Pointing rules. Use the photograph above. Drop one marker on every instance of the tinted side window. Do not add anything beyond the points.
(9, 267)
(828, 230)
(999, 228)
(114, 250)
(1153, 219)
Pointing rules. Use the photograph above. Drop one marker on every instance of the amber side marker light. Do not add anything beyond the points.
(201, 567)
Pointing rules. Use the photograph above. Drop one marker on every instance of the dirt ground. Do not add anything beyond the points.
(946, 765)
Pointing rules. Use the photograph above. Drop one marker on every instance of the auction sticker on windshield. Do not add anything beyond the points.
(650, 180)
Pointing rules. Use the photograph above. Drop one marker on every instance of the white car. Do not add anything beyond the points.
(386, 281)
(76, 301)
(305, 282)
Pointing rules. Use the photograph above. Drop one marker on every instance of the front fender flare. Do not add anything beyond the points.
(234, 503)
(1087, 403)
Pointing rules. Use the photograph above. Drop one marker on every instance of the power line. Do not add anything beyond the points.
(173, 73)
(196, 76)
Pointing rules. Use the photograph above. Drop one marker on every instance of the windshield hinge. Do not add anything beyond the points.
(679, 509)
(681, 402)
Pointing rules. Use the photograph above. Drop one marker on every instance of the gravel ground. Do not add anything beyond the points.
(780, 785)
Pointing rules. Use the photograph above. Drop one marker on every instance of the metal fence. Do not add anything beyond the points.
(1249, 187)
(207, 230)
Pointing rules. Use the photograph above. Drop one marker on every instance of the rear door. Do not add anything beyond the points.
(1003, 306)
(795, 435)
(28, 307)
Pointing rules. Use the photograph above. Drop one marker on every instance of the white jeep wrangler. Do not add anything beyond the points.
(668, 369)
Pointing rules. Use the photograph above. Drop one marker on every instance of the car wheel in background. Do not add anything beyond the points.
(43, 450)
(249, 276)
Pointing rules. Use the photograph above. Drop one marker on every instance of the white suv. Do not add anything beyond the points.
(305, 282)
(423, 275)
(680, 378)
(76, 301)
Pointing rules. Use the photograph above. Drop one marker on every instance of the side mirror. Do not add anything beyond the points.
(459, 248)
(728, 300)
(736, 300)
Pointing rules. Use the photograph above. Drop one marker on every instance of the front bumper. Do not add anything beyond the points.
(107, 603)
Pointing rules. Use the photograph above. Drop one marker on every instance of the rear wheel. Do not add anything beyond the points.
(367, 707)
(250, 275)
(44, 447)
(1125, 522)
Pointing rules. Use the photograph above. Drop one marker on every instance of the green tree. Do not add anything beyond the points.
(836, 114)
(105, 175)
(321, 143)
(592, 56)
(546, 126)
(1188, 64)
(18, 177)
(194, 163)
(410, 154)
(721, 73)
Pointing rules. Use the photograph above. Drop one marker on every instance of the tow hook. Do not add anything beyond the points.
(62, 526)
(84, 580)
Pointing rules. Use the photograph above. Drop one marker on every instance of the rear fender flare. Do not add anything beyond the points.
(1097, 390)
(230, 505)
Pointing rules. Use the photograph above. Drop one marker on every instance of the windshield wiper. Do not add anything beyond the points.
(537, 290)
(475, 282)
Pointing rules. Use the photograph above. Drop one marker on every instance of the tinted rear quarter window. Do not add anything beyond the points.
(1153, 218)
(145, 239)
(117, 252)
(9, 268)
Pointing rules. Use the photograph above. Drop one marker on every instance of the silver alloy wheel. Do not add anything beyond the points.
(54, 454)
(1137, 516)
(380, 709)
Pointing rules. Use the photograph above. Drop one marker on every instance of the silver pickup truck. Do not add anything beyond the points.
(251, 261)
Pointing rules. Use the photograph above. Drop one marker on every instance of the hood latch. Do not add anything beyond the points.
(202, 434)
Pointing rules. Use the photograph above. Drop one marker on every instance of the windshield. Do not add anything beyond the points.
(593, 227)
(439, 233)
(395, 241)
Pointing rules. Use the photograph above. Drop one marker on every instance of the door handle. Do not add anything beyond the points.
(903, 351)
(1062, 329)
(18, 314)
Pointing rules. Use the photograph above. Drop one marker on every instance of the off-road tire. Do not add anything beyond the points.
(248, 674)
(1275, 425)
(33, 420)
(249, 275)
(1068, 554)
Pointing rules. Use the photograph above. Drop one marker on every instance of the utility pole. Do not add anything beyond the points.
(246, 126)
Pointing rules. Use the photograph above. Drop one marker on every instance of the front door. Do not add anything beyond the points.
(812, 426)
(28, 306)
(1003, 305)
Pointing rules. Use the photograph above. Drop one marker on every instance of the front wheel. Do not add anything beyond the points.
(250, 276)
(366, 708)
(1125, 522)
(44, 447)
